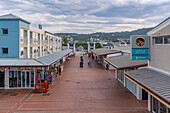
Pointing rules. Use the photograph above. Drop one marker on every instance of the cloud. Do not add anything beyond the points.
(87, 16)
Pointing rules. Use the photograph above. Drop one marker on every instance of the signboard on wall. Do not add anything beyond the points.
(140, 47)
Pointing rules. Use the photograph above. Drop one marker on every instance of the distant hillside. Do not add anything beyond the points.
(101, 35)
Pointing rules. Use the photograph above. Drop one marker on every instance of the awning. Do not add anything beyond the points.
(52, 58)
(124, 61)
(20, 63)
(104, 51)
(154, 82)
(43, 61)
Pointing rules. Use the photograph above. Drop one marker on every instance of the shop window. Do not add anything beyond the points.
(131, 86)
(19, 78)
(23, 79)
(121, 75)
(32, 79)
(163, 108)
(155, 105)
(4, 31)
(5, 50)
(13, 78)
(2, 79)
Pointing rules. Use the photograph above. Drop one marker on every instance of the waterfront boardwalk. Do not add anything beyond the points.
(87, 89)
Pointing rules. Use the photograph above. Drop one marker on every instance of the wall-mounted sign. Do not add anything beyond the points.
(140, 47)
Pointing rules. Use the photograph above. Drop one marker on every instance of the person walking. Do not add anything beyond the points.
(90, 62)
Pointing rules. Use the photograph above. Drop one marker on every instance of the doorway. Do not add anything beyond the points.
(20, 79)
(2, 79)
(25, 79)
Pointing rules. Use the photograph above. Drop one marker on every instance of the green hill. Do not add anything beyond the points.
(102, 35)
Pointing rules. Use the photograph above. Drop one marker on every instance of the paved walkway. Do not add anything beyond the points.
(87, 89)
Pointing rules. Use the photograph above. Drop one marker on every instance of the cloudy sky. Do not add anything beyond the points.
(88, 16)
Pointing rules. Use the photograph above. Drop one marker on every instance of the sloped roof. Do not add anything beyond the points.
(124, 61)
(19, 62)
(160, 26)
(12, 17)
(157, 82)
(123, 48)
(49, 59)
(38, 62)
(104, 51)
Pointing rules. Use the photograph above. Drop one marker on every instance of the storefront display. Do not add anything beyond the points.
(22, 79)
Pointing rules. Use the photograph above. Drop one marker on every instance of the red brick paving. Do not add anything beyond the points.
(87, 89)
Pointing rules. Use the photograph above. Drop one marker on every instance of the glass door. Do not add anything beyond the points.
(26, 79)
(23, 78)
(2, 79)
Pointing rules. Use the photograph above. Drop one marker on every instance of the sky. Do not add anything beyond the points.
(89, 16)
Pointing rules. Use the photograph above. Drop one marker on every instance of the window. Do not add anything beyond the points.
(5, 50)
(30, 52)
(158, 40)
(31, 40)
(25, 36)
(167, 40)
(41, 39)
(158, 107)
(38, 38)
(4, 31)
(161, 40)
(131, 86)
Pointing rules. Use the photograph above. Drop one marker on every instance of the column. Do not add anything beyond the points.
(6, 79)
(139, 93)
(34, 76)
(124, 79)
(68, 46)
(94, 46)
(88, 46)
(116, 73)
(149, 102)
(74, 47)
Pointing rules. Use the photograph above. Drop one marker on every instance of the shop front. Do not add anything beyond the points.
(156, 88)
(25, 73)
(21, 79)
(122, 64)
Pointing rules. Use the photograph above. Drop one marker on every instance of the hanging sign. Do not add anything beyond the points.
(140, 47)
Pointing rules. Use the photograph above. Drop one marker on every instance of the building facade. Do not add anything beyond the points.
(155, 79)
(19, 39)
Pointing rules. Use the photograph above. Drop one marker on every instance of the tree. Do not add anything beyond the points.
(98, 45)
(115, 40)
(65, 40)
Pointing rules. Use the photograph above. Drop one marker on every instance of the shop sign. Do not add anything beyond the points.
(140, 47)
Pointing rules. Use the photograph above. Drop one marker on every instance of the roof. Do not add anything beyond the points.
(12, 17)
(49, 32)
(155, 81)
(38, 62)
(19, 62)
(160, 26)
(50, 59)
(123, 48)
(124, 61)
(104, 51)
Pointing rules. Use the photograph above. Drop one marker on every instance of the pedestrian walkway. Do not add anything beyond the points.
(87, 89)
